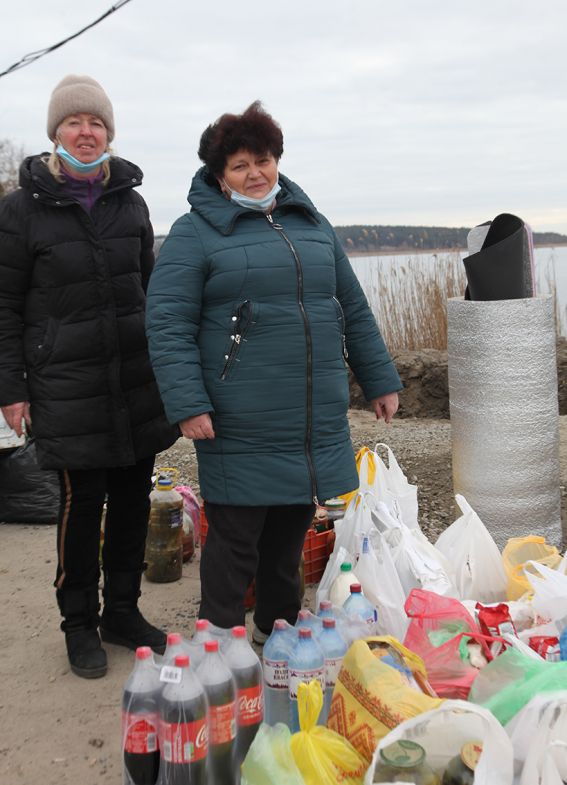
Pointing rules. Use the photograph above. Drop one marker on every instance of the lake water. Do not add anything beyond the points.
(550, 269)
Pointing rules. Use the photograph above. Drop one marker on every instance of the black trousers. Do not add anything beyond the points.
(253, 542)
(127, 490)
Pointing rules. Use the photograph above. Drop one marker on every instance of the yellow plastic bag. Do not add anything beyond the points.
(348, 497)
(322, 756)
(371, 698)
(517, 552)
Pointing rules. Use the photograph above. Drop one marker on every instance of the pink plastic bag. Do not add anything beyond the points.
(191, 507)
(449, 674)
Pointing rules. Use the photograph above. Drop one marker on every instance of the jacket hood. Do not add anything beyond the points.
(206, 199)
(34, 175)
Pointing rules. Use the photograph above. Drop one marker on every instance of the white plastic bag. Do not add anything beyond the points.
(550, 591)
(539, 737)
(443, 731)
(475, 557)
(402, 493)
(356, 524)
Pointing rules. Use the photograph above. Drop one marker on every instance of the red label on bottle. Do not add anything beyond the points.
(184, 742)
(222, 723)
(250, 705)
(139, 733)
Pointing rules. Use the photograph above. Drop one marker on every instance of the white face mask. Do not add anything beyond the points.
(262, 204)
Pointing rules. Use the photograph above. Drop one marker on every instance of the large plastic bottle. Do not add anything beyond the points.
(326, 610)
(306, 662)
(184, 730)
(307, 619)
(358, 605)
(275, 658)
(140, 718)
(340, 590)
(173, 647)
(247, 671)
(216, 678)
(334, 649)
(164, 542)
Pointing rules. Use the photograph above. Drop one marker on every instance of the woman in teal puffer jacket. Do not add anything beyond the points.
(253, 312)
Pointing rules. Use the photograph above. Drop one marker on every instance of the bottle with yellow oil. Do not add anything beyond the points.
(164, 542)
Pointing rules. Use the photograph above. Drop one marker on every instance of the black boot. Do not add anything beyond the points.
(121, 621)
(79, 608)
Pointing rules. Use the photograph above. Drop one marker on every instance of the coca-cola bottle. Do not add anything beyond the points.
(140, 719)
(247, 672)
(174, 647)
(216, 677)
(202, 631)
(183, 729)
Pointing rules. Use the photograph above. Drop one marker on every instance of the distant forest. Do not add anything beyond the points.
(375, 239)
(361, 238)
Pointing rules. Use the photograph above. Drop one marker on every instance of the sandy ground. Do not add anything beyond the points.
(58, 729)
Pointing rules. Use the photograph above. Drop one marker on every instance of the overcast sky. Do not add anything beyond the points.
(429, 112)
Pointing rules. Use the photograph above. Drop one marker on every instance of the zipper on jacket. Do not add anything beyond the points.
(308, 432)
(343, 327)
(240, 331)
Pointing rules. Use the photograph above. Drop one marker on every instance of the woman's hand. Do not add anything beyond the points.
(198, 427)
(385, 406)
(14, 413)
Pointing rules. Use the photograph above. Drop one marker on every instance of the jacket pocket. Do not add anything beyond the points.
(342, 322)
(242, 321)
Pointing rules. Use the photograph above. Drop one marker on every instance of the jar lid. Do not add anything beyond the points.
(335, 504)
(403, 754)
(470, 754)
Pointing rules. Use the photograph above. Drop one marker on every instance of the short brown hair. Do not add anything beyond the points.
(254, 130)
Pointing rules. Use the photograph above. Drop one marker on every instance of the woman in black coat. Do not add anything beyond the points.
(76, 253)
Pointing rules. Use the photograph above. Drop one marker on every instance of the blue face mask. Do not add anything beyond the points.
(79, 166)
(262, 204)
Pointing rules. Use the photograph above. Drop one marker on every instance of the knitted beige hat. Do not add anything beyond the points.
(76, 94)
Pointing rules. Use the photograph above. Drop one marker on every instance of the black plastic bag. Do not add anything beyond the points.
(28, 494)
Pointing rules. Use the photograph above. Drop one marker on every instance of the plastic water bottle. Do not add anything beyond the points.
(340, 590)
(275, 657)
(563, 645)
(307, 662)
(334, 649)
(247, 672)
(358, 605)
(215, 676)
(140, 718)
(307, 619)
(326, 610)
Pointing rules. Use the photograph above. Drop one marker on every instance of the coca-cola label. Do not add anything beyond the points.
(332, 668)
(297, 677)
(275, 674)
(250, 705)
(222, 723)
(184, 742)
(140, 733)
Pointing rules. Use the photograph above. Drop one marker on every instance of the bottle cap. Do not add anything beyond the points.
(325, 605)
(329, 623)
(470, 754)
(346, 566)
(355, 588)
(303, 614)
(202, 624)
(239, 632)
(211, 645)
(164, 484)
(143, 653)
(280, 624)
(403, 754)
(304, 632)
(182, 661)
(173, 638)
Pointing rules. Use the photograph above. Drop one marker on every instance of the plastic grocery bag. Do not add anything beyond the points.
(28, 494)
(444, 730)
(534, 732)
(370, 697)
(475, 557)
(550, 591)
(446, 622)
(356, 524)
(381, 585)
(322, 756)
(396, 488)
(520, 550)
(512, 679)
(269, 760)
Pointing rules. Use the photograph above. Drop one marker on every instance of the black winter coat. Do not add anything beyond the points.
(72, 301)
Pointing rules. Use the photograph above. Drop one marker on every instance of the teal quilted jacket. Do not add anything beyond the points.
(253, 318)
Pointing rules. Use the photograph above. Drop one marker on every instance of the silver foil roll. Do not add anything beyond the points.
(504, 414)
